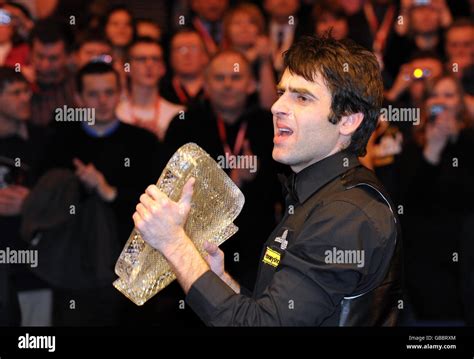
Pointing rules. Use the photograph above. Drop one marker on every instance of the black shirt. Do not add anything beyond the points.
(129, 158)
(335, 208)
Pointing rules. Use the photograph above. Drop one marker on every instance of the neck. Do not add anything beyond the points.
(192, 83)
(229, 116)
(102, 127)
(426, 40)
(10, 127)
(144, 95)
(280, 20)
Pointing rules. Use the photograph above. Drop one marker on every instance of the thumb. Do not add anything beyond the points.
(186, 196)
(211, 248)
(78, 163)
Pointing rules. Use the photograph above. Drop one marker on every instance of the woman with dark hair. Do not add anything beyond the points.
(119, 29)
(437, 172)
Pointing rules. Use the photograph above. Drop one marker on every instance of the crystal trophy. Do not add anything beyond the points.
(215, 204)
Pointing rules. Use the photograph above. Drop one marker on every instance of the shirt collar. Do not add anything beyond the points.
(91, 131)
(312, 178)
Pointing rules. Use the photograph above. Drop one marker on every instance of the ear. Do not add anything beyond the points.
(349, 124)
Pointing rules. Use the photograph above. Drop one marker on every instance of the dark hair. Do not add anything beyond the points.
(97, 68)
(425, 54)
(117, 8)
(91, 36)
(50, 31)
(142, 40)
(8, 75)
(352, 75)
(326, 7)
(460, 23)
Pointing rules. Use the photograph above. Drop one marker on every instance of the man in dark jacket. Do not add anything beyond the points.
(333, 259)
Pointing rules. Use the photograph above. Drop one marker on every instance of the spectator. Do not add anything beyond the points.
(244, 31)
(284, 26)
(12, 52)
(90, 47)
(188, 59)
(20, 143)
(331, 17)
(119, 29)
(460, 46)
(114, 161)
(226, 125)
(208, 22)
(54, 87)
(148, 28)
(437, 171)
(144, 107)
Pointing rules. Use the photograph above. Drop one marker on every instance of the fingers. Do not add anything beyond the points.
(142, 211)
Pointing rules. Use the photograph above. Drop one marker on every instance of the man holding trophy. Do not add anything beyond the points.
(334, 258)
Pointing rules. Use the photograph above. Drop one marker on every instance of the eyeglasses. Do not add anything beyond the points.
(186, 49)
(143, 59)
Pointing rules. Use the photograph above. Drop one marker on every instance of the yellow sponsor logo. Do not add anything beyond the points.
(271, 257)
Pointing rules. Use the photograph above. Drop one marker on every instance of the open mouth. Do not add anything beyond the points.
(283, 130)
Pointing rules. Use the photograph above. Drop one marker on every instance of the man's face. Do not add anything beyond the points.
(303, 134)
(460, 45)
(424, 19)
(146, 64)
(49, 62)
(90, 50)
(101, 91)
(281, 9)
(228, 83)
(210, 10)
(188, 56)
(15, 101)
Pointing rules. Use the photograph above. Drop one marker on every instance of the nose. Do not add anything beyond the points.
(280, 107)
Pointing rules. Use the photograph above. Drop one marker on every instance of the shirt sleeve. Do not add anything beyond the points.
(306, 287)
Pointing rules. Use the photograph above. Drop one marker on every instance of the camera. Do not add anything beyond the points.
(5, 17)
(420, 73)
(421, 2)
(434, 111)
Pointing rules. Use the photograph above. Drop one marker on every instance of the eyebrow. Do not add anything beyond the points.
(298, 90)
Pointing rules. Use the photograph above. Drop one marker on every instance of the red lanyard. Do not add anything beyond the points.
(178, 89)
(211, 46)
(239, 141)
(380, 33)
